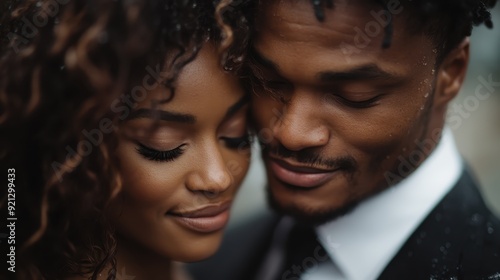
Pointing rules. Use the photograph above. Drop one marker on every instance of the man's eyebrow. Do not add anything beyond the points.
(162, 115)
(365, 72)
(238, 105)
(262, 60)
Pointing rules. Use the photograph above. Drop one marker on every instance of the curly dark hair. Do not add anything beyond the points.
(63, 64)
(447, 22)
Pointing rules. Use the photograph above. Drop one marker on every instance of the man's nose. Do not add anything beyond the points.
(300, 125)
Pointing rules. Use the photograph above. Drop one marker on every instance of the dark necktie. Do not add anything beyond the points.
(302, 252)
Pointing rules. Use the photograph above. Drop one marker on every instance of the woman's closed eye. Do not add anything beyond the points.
(161, 156)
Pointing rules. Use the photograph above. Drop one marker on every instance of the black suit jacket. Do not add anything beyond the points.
(459, 239)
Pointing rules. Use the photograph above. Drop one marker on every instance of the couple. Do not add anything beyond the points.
(129, 125)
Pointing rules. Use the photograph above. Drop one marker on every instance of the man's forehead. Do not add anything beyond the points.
(304, 10)
(289, 17)
(357, 25)
(290, 36)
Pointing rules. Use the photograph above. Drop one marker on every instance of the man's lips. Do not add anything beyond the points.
(207, 219)
(300, 176)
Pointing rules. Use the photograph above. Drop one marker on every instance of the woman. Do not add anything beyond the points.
(126, 138)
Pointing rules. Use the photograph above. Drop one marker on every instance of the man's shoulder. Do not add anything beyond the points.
(241, 250)
(460, 238)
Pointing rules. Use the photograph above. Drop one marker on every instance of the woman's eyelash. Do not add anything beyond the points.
(162, 156)
(238, 142)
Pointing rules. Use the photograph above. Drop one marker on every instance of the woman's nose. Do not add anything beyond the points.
(211, 175)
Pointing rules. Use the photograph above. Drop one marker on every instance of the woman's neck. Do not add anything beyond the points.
(133, 262)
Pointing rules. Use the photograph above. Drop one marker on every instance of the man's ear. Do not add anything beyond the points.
(451, 73)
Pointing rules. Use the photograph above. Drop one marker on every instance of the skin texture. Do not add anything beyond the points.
(208, 172)
(308, 119)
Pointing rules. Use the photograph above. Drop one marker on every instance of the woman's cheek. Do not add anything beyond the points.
(145, 181)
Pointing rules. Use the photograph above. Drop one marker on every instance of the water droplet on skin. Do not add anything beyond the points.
(434, 50)
(490, 230)
(425, 63)
(422, 108)
(426, 95)
(38, 4)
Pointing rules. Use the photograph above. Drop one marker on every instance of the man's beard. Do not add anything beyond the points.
(309, 216)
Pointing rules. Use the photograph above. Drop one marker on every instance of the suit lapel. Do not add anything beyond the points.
(455, 241)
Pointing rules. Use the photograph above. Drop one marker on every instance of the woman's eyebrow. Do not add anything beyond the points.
(162, 115)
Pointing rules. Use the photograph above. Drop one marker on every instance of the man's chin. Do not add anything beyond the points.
(308, 214)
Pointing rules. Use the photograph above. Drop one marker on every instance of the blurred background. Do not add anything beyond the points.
(476, 127)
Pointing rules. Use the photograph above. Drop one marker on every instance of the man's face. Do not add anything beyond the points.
(337, 114)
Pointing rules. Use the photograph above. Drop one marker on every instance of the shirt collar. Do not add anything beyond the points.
(363, 242)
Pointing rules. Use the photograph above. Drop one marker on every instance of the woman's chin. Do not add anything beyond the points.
(199, 250)
(197, 256)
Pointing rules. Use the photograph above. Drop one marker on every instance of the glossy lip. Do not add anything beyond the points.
(297, 176)
(207, 219)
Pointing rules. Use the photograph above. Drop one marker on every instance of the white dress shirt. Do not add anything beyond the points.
(363, 242)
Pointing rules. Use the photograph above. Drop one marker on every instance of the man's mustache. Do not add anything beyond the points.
(310, 157)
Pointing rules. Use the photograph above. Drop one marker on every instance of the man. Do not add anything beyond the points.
(349, 104)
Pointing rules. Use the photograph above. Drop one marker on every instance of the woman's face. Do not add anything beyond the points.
(181, 178)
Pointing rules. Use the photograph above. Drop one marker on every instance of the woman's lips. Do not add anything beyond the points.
(299, 176)
(207, 219)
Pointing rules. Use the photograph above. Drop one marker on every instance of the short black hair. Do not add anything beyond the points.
(447, 22)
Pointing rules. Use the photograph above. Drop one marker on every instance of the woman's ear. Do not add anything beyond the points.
(451, 73)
